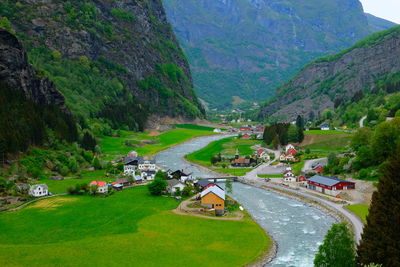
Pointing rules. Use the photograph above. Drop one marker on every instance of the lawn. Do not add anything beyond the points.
(194, 127)
(114, 147)
(56, 186)
(326, 144)
(130, 228)
(272, 176)
(360, 209)
(227, 147)
(329, 132)
(232, 171)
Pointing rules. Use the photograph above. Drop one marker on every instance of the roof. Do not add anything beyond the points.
(291, 151)
(173, 182)
(324, 125)
(241, 160)
(203, 182)
(214, 189)
(137, 177)
(150, 172)
(122, 180)
(99, 183)
(33, 187)
(328, 181)
(130, 160)
(117, 185)
(181, 172)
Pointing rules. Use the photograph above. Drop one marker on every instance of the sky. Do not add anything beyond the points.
(386, 9)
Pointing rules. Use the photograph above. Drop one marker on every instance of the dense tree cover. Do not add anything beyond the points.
(24, 123)
(380, 239)
(374, 147)
(157, 187)
(338, 249)
(282, 133)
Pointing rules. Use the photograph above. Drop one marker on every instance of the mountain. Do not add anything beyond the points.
(29, 104)
(337, 79)
(378, 24)
(116, 62)
(246, 48)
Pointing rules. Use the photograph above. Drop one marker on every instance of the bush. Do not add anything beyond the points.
(157, 187)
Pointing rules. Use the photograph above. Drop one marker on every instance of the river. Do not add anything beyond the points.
(297, 228)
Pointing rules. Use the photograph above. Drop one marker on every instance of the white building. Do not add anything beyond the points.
(174, 186)
(148, 175)
(102, 187)
(39, 190)
(289, 146)
(147, 165)
(217, 130)
(289, 177)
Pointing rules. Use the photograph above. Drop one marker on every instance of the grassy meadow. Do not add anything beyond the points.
(360, 209)
(327, 143)
(194, 127)
(321, 132)
(227, 147)
(129, 228)
(113, 147)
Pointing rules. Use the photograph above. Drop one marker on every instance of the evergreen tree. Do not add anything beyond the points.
(228, 186)
(300, 122)
(337, 249)
(88, 141)
(380, 240)
(293, 134)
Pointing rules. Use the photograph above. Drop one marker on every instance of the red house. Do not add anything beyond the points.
(301, 178)
(246, 136)
(318, 169)
(329, 185)
(245, 129)
(291, 151)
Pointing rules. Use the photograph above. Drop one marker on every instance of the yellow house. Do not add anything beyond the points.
(213, 197)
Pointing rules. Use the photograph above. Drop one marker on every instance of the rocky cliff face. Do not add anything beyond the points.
(337, 77)
(246, 48)
(16, 72)
(109, 58)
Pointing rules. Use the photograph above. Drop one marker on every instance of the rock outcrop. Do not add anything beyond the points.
(340, 76)
(16, 72)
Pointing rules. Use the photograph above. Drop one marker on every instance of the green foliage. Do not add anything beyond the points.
(278, 134)
(88, 141)
(161, 175)
(337, 249)
(157, 187)
(5, 24)
(121, 14)
(380, 237)
(28, 123)
(194, 127)
(228, 186)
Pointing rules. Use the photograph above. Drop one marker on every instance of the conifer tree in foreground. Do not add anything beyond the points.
(338, 249)
(380, 242)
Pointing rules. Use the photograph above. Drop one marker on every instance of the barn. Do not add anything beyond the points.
(329, 185)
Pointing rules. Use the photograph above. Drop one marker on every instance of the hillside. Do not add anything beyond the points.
(116, 62)
(246, 48)
(338, 79)
(30, 105)
(378, 24)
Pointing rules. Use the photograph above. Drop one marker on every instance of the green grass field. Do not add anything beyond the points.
(227, 147)
(360, 209)
(130, 228)
(325, 144)
(329, 132)
(114, 147)
(194, 127)
(233, 171)
(272, 176)
(56, 187)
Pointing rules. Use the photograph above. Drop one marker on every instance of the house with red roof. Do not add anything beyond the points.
(102, 187)
(291, 151)
(246, 136)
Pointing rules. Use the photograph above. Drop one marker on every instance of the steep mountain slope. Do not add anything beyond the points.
(378, 24)
(246, 48)
(117, 61)
(333, 80)
(28, 104)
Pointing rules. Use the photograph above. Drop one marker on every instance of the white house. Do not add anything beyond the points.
(39, 190)
(174, 186)
(288, 176)
(102, 186)
(148, 175)
(288, 147)
(182, 175)
(325, 127)
(217, 130)
(147, 165)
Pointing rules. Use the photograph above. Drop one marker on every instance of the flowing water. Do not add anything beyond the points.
(297, 228)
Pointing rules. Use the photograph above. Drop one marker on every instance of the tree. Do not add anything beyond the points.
(293, 134)
(337, 249)
(361, 138)
(214, 160)
(300, 122)
(96, 163)
(187, 191)
(228, 186)
(275, 142)
(93, 189)
(88, 141)
(157, 187)
(380, 239)
(161, 175)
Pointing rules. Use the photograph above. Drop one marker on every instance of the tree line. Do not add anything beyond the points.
(282, 133)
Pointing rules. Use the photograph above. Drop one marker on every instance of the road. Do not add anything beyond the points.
(357, 223)
(362, 121)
